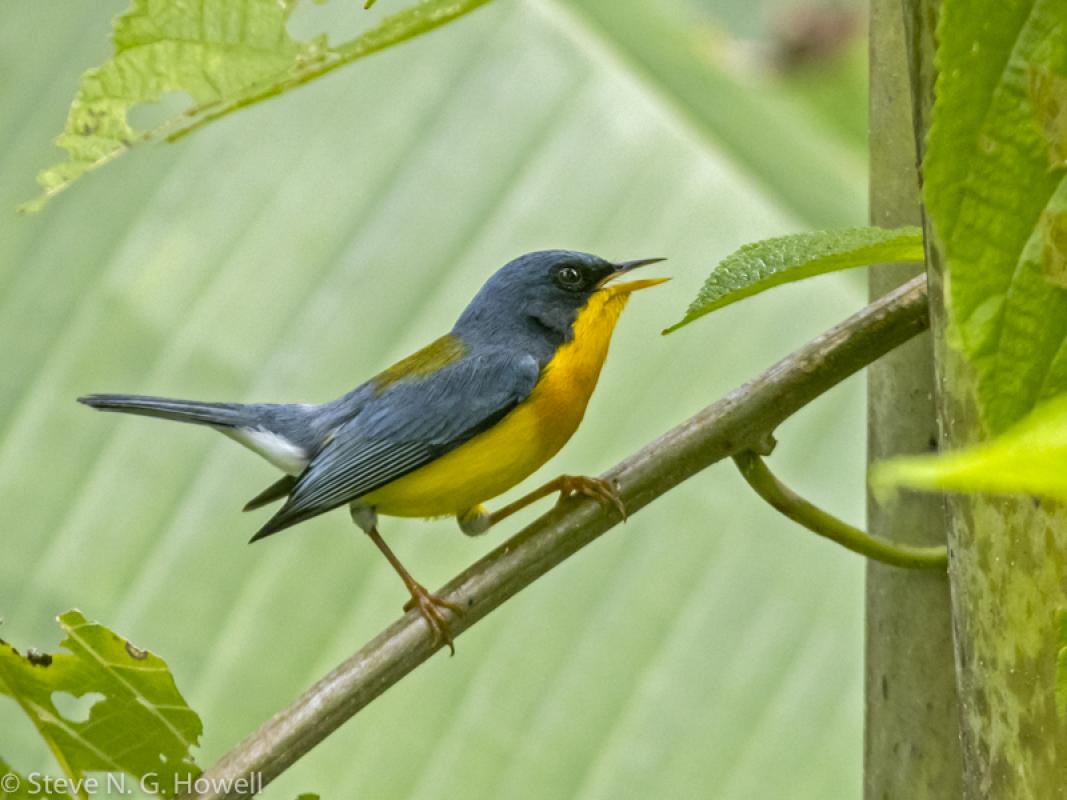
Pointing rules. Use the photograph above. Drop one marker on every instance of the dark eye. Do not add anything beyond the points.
(569, 277)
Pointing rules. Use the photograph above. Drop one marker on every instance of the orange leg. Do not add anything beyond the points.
(599, 489)
(430, 606)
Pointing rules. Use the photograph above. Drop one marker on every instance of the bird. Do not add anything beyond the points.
(450, 427)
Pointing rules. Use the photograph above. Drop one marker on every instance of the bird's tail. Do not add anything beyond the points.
(227, 415)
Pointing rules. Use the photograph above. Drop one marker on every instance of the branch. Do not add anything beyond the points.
(759, 476)
(737, 422)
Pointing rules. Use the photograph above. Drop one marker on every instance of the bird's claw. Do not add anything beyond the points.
(430, 606)
(599, 489)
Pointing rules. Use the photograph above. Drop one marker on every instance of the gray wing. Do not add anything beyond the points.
(408, 425)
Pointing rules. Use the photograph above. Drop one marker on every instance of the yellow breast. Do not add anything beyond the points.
(499, 458)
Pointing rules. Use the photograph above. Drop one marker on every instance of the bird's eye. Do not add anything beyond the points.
(569, 277)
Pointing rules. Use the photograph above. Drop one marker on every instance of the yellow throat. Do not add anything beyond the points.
(496, 460)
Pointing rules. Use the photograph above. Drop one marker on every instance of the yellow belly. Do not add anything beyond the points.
(496, 460)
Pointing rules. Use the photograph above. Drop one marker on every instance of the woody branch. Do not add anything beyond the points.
(738, 422)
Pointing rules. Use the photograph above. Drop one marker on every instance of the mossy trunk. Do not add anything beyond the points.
(911, 743)
(1007, 560)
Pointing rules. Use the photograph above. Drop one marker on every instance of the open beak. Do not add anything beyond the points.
(632, 286)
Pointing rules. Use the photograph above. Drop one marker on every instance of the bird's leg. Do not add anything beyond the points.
(599, 489)
(430, 605)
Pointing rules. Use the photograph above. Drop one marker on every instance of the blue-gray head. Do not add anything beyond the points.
(541, 293)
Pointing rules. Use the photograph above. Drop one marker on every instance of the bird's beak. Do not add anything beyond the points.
(632, 286)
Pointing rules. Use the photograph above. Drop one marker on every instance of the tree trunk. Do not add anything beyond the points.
(1007, 561)
(911, 747)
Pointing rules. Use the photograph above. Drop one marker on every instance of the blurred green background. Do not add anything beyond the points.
(705, 649)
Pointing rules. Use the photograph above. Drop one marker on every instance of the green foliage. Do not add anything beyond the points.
(994, 189)
(1030, 458)
(996, 193)
(140, 726)
(225, 55)
(759, 266)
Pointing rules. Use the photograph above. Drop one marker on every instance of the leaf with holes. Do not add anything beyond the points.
(759, 266)
(996, 194)
(225, 55)
(1028, 458)
(141, 725)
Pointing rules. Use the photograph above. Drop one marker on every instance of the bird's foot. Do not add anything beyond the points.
(603, 491)
(432, 608)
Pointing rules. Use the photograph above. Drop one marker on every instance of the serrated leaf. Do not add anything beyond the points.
(1028, 458)
(759, 266)
(141, 726)
(994, 172)
(226, 55)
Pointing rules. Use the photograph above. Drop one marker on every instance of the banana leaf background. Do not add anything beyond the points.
(705, 649)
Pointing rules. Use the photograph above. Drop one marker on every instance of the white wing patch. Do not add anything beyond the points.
(279, 451)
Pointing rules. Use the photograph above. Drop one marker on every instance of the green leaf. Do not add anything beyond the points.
(995, 191)
(763, 265)
(141, 724)
(225, 55)
(1028, 458)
